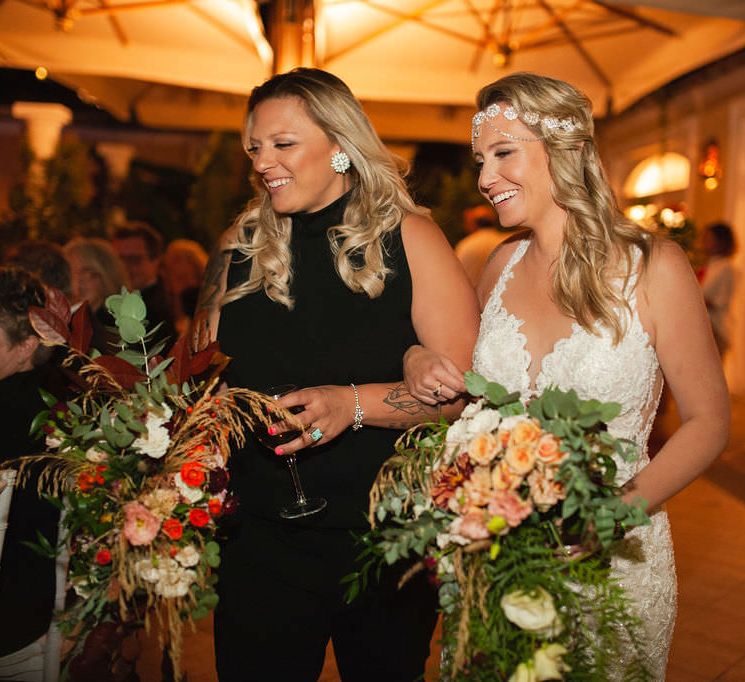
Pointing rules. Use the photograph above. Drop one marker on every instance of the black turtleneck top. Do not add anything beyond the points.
(331, 336)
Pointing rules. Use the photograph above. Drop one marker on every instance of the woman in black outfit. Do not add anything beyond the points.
(323, 282)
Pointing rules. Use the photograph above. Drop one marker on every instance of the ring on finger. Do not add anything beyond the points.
(438, 390)
(316, 434)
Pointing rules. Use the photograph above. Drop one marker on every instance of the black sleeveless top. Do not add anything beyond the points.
(332, 336)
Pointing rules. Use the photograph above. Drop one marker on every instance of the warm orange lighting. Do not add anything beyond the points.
(657, 174)
(41, 73)
(711, 183)
(710, 167)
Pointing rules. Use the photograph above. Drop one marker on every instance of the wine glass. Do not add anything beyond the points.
(302, 506)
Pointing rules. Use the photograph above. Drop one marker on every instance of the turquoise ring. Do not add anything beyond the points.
(316, 434)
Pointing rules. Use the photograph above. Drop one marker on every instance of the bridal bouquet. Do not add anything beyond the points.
(136, 461)
(514, 512)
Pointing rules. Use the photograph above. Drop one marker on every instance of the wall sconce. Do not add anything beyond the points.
(710, 168)
(668, 172)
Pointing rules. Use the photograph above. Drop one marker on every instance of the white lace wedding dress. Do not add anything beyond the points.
(627, 373)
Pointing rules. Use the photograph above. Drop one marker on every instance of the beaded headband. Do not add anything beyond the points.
(530, 118)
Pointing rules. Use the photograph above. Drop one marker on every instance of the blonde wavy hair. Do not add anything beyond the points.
(378, 199)
(598, 239)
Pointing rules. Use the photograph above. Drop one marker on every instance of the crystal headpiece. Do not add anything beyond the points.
(530, 118)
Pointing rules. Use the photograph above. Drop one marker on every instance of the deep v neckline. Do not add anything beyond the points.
(533, 382)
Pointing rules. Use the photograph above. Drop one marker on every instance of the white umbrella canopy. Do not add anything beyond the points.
(445, 50)
(416, 64)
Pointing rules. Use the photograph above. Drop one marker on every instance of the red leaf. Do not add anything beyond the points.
(82, 329)
(127, 375)
(50, 328)
(178, 370)
(58, 304)
(204, 358)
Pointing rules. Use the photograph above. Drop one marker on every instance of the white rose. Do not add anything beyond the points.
(188, 556)
(485, 421)
(509, 423)
(471, 409)
(174, 581)
(534, 612)
(191, 495)
(523, 673)
(95, 455)
(82, 587)
(144, 569)
(156, 442)
(549, 664)
(458, 432)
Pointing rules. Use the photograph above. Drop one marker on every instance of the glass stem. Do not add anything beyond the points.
(292, 465)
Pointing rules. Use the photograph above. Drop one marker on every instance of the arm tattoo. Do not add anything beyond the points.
(402, 401)
(211, 289)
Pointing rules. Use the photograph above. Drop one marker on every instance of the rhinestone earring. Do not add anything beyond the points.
(340, 162)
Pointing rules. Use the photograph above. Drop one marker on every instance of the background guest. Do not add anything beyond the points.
(45, 260)
(141, 248)
(97, 273)
(718, 281)
(183, 267)
(482, 237)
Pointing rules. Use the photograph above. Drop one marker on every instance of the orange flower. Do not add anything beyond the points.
(520, 459)
(86, 481)
(192, 473)
(215, 506)
(503, 478)
(446, 480)
(173, 529)
(483, 448)
(525, 432)
(199, 518)
(548, 449)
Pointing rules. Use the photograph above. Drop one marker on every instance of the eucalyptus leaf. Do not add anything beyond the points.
(132, 306)
(475, 383)
(130, 329)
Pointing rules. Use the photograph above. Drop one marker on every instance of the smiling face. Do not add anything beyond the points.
(292, 155)
(514, 175)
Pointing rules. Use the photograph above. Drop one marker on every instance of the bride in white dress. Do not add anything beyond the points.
(584, 299)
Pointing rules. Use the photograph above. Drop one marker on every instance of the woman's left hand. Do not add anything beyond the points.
(327, 412)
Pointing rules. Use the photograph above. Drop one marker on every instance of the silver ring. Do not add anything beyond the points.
(316, 434)
(438, 390)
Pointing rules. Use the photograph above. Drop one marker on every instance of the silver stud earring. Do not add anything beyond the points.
(340, 162)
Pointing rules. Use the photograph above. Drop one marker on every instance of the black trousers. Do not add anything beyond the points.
(281, 602)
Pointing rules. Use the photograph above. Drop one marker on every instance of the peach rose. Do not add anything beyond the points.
(510, 506)
(503, 478)
(483, 449)
(527, 431)
(520, 458)
(478, 487)
(548, 449)
(544, 492)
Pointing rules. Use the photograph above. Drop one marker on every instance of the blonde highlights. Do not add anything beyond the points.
(598, 239)
(378, 200)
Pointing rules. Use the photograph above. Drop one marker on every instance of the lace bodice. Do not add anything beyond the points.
(627, 373)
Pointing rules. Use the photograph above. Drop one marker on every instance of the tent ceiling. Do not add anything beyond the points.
(428, 57)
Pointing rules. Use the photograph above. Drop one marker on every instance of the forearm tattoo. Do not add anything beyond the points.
(401, 400)
(211, 289)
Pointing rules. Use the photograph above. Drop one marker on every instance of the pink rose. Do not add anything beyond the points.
(509, 506)
(544, 492)
(140, 524)
(478, 487)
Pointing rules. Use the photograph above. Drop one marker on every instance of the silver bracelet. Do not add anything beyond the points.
(358, 413)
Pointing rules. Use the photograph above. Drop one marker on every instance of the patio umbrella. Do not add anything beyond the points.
(416, 64)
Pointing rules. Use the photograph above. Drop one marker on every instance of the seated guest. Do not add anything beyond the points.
(97, 273)
(26, 578)
(141, 247)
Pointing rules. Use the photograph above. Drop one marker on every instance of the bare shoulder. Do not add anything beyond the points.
(668, 266)
(421, 230)
(497, 262)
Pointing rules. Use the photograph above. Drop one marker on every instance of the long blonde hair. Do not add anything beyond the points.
(596, 234)
(378, 199)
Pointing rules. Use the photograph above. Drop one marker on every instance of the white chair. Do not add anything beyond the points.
(40, 660)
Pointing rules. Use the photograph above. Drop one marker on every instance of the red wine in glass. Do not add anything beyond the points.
(303, 506)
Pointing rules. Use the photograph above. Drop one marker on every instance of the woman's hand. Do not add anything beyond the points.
(327, 410)
(430, 377)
